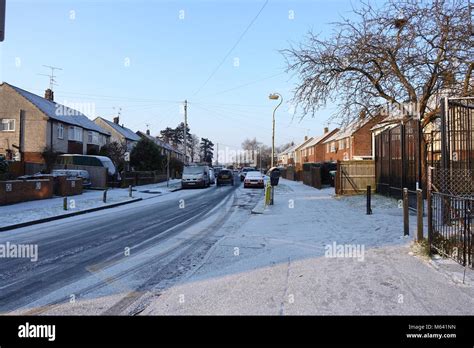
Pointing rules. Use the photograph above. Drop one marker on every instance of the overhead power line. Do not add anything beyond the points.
(231, 49)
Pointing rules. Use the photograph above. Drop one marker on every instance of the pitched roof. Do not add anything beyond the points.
(288, 149)
(301, 145)
(159, 142)
(348, 130)
(59, 112)
(315, 141)
(127, 133)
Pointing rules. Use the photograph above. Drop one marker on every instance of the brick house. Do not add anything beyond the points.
(118, 133)
(299, 154)
(30, 123)
(314, 151)
(354, 142)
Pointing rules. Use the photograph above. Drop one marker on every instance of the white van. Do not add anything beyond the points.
(195, 176)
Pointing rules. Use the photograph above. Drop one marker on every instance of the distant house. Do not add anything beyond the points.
(30, 123)
(314, 151)
(298, 155)
(165, 147)
(354, 142)
(284, 159)
(118, 133)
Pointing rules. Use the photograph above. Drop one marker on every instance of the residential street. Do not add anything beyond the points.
(213, 257)
(74, 252)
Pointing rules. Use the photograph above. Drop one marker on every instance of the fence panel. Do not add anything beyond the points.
(353, 177)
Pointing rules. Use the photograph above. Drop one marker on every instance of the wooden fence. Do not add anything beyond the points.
(353, 177)
(138, 178)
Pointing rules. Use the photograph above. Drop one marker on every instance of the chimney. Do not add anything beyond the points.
(326, 130)
(147, 132)
(362, 114)
(116, 120)
(305, 137)
(49, 94)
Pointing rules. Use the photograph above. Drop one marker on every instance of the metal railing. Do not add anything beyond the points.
(451, 227)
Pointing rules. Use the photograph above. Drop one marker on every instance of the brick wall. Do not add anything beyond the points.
(64, 186)
(362, 139)
(339, 155)
(16, 191)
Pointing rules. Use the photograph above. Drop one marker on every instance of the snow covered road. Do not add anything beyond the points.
(276, 264)
(108, 255)
(203, 252)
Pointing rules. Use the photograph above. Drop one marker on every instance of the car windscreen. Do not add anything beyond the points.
(225, 172)
(254, 175)
(193, 170)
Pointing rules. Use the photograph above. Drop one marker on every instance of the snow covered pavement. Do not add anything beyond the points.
(40, 209)
(312, 253)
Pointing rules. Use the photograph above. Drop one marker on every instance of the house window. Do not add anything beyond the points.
(328, 147)
(7, 125)
(333, 146)
(60, 131)
(347, 143)
(75, 133)
(93, 138)
(341, 144)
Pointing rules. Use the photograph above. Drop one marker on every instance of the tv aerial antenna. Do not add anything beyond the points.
(52, 76)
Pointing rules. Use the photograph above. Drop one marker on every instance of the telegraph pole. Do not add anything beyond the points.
(185, 130)
(217, 157)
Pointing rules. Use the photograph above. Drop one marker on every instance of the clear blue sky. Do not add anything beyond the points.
(170, 60)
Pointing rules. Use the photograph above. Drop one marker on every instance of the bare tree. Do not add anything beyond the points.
(404, 52)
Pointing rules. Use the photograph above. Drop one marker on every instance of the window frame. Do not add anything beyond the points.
(75, 131)
(60, 131)
(7, 121)
(93, 137)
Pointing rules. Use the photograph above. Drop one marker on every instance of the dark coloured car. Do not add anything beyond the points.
(217, 170)
(225, 176)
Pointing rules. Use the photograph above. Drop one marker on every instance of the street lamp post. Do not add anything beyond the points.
(274, 96)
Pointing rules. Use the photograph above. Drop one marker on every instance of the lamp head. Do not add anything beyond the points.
(273, 96)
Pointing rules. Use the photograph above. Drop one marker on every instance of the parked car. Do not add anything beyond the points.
(244, 172)
(69, 173)
(212, 176)
(195, 176)
(217, 170)
(92, 161)
(225, 176)
(74, 173)
(254, 179)
(3, 164)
